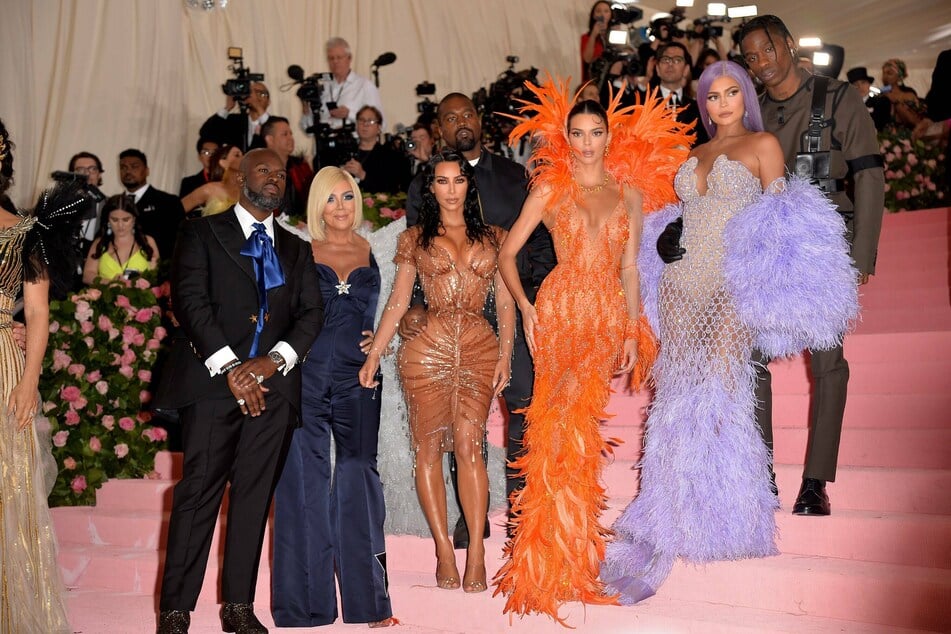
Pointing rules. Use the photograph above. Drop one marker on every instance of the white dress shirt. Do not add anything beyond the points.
(353, 93)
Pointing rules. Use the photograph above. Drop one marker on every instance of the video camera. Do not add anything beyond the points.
(504, 97)
(705, 28)
(311, 86)
(239, 88)
(335, 146)
(426, 106)
(91, 194)
(665, 29)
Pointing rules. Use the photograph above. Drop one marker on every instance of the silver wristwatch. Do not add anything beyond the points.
(277, 358)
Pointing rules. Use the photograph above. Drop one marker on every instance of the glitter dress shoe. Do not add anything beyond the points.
(238, 618)
(812, 498)
(173, 622)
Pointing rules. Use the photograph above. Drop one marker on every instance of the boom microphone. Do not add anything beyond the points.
(296, 73)
(384, 59)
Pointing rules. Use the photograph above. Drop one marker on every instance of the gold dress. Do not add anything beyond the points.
(446, 370)
(31, 594)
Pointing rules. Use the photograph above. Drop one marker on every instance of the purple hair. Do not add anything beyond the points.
(753, 119)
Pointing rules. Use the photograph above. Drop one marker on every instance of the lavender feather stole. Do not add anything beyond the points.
(788, 268)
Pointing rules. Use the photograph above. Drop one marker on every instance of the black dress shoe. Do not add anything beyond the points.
(239, 618)
(812, 498)
(173, 622)
(460, 534)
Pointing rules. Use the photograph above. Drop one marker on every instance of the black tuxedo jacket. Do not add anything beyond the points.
(690, 113)
(215, 299)
(160, 215)
(191, 183)
(503, 187)
(233, 131)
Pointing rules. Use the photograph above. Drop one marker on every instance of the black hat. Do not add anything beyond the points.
(859, 73)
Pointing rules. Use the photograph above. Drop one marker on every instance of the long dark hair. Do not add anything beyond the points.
(106, 239)
(476, 229)
(6, 159)
(591, 13)
(587, 106)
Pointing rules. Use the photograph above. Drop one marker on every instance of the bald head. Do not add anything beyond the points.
(263, 180)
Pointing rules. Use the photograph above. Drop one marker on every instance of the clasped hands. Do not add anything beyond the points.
(246, 384)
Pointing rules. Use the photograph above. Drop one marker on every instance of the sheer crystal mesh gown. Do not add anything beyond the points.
(31, 593)
(395, 455)
(558, 542)
(446, 370)
(705, 491)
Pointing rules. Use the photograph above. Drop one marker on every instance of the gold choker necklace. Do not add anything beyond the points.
(594, 188)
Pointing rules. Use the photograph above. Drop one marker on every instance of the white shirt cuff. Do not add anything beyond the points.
(290, 357)
(218, 359)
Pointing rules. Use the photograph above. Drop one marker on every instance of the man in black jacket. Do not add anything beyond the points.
(160, 213)
(248, 311)
(240, 129)
(503, 186)
(205, 148)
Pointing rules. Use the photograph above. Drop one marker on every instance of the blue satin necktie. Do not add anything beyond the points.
(267, 269)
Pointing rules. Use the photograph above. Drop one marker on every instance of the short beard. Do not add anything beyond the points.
(465, 146)
(262, 201)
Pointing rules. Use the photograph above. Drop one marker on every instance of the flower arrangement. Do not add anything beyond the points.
(912, 170)
(103, 342)
(380, 210)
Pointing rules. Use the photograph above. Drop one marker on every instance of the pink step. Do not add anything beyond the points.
(856, 488)
(912, 347)
(925, 377)
(899, 320)
(871, 410)
(913, 297)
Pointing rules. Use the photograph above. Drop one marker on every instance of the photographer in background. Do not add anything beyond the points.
(592, 42)
(672, 72)
(279, 137)
(377, 167)
(420, 146)
(345, 93)
(237, 129)
(88, 164)
(626, 75)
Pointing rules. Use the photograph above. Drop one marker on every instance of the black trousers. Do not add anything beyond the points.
(830, 375)
(221, 447)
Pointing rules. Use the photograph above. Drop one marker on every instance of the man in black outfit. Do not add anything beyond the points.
(205, 148)
(240, 129)
(160, 213)
(503, 187)
(248, 312)
(672, 61)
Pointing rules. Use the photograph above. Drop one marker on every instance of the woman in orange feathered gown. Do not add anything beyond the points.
(596, 173)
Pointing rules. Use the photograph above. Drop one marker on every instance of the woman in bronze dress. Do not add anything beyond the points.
(456, 366)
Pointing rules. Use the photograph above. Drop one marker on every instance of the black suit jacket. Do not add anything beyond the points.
(233, 131)
(690, 113)
(503, 187)
(160, 215)
(191, 183)
(215, 296)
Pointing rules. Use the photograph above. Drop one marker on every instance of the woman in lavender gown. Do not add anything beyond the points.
(765, 266)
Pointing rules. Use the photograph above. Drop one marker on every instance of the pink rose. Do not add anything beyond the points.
(70, 393)
(127, 358)
(54, 326)
(80, 403)
(931, 187)
(126, 371)
(113, 333)
(105, 324)
(152, 344)
(145, 376)
(157, 291)
(367, 202)
(123, 302)
(160, 333)
(78, 484)
(138, 339)
(109, 421)
(889, 157)
(912, 159)
(143, 315)
(59, 438)
(93, 293)
(89, 342)
(77, 370)
(69, 463)
(122, 450)
(142, 283)
(95, 445)
(72, 417)
(126, 423)
(155, 434)
(145, 396)
(98, 409)
(48, 406)
(102, 387)
(60, 360)
(86, 327)
(83, 311)
(143, 416)
(94, 376)
(128, 333)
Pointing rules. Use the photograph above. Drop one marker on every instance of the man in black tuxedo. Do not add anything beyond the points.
(248, 312)
(672, 61)
(503, 187)
(205, 148)
(239, 129)
(160, 213)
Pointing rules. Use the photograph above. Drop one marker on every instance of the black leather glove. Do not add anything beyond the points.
(668, 242)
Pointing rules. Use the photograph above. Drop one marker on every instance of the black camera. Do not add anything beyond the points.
(504, 97)
(311, 86)
(335, 146)
(625, 15)
(239, 88)
(665, 29)
(705, 29)
(91, 194)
